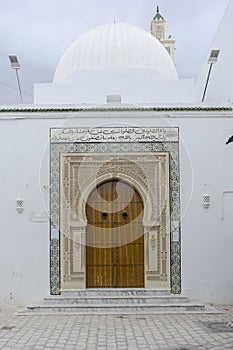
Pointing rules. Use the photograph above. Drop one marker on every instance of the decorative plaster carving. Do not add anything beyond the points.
(80, 174)
(142, 150)
(153, 242)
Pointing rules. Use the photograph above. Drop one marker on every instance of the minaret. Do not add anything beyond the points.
(158, 31)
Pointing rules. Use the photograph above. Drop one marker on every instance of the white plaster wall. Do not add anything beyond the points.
(94, 85)
(24, 244)
(207, 240)
(220, 86)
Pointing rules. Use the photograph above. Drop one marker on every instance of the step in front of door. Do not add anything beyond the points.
(119, 309)
(115, 300)
(115, 292)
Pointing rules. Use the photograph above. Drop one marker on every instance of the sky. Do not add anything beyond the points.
(39, 32)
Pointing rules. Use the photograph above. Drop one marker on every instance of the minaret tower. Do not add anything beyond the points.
(158, 31)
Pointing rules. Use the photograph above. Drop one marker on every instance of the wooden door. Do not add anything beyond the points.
(115, 240)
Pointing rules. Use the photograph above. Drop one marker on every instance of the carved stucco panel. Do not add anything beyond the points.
(80, 174)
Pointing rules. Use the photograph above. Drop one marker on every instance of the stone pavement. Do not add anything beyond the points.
(168, 331)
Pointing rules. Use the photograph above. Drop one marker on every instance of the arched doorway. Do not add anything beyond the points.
(115, 237)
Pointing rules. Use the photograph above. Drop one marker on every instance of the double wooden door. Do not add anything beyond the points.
(115, 239)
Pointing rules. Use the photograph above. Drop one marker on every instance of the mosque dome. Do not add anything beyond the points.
(115, 46)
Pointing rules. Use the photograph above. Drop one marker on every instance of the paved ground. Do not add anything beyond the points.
(168, 332)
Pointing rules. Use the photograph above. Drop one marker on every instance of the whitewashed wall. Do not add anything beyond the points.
(24, 244)
(207, 239)
(93, 86)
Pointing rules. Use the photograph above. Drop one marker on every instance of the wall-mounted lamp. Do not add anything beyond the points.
(206, 201)
(15, 65)
(19, 205)
(212, 59)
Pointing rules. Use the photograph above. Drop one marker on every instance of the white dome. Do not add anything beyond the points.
(115, 46)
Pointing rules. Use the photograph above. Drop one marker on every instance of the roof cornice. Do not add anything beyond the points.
(114, 109)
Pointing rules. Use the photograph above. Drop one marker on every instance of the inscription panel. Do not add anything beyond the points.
(114, 135)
